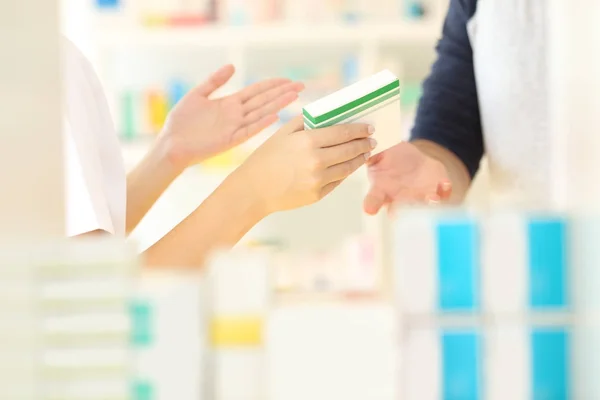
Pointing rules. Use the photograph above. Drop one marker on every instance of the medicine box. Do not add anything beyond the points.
(238, 304)
(374, 100)
(455, 262)
(497, 362)
(333, 351)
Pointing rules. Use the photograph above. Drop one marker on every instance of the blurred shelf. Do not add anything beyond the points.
(272, 35)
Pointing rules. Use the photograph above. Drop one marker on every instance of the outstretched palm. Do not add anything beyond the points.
(199, 127)
(403, 174)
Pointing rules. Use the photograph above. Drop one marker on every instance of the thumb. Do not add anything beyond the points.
(374, 200)
(216, 80)
(375, 159)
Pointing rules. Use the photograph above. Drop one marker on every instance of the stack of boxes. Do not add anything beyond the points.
(78, 323)
(65, 321)
(485, 306)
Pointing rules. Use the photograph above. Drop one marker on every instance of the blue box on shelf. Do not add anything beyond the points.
(108, 4)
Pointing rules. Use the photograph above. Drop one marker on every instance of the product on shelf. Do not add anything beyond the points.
(189, 13)
(85, 326)
(348, 271)
(176, 13)
(375, 100)
(108, 4)
(171, 310)
(333, 350)
(158, 105)
(69, 305)
(486, 306)
(143, 112)
(414, 9)
(239, 300)
(247, 12)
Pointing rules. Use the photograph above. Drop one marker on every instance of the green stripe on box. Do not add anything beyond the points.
(141, 323)
(310, 124)
(354, 112)
(353, 104)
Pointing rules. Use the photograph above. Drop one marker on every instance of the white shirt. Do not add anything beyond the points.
(508, 38)
(95, 171)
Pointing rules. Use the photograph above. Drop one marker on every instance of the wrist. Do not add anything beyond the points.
(162, 157)
(252, 198)
(158, 166)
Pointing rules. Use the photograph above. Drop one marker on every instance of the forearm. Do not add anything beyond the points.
(147, 182)
(457, 171)
(218, 223)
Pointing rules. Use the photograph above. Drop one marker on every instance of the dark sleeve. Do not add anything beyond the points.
(448, 112)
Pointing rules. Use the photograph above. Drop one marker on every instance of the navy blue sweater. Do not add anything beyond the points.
(448, 113)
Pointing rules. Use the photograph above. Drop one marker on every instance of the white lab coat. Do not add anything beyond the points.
(95, 171)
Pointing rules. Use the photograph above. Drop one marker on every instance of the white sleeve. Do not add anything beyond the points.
(83, 214)
(96, 185)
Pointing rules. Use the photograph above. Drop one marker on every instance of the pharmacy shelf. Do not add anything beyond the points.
(418, 32)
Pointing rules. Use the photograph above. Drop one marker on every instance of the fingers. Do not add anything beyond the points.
(433, 200)
(347, 151)
(262, 99)
(247, 131)
(374, 200)
(216, 80)
(272, 107)
(444, 190)
(341, 171)
(260, 87)
(338, 134)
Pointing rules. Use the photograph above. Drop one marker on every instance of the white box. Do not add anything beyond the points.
(172, 360)
(421, 360)
(505, 268)
(336, 351)
(415, 261)
(239, 373)
(374, 100)
(507, 365)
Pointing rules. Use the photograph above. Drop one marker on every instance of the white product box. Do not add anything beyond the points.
(335, 351)
(421, 360)
(170, 356)
(507, 363)
(437, 261)
(505, 267)
(415, 261)
(374, 100)
(239, 373)
(442, 364)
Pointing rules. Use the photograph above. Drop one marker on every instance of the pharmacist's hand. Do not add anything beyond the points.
(403, 174)
(295, 168)
(199, 127)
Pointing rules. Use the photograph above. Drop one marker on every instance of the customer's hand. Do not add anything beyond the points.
(199, 127)
(295, 168)
(403, 174)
